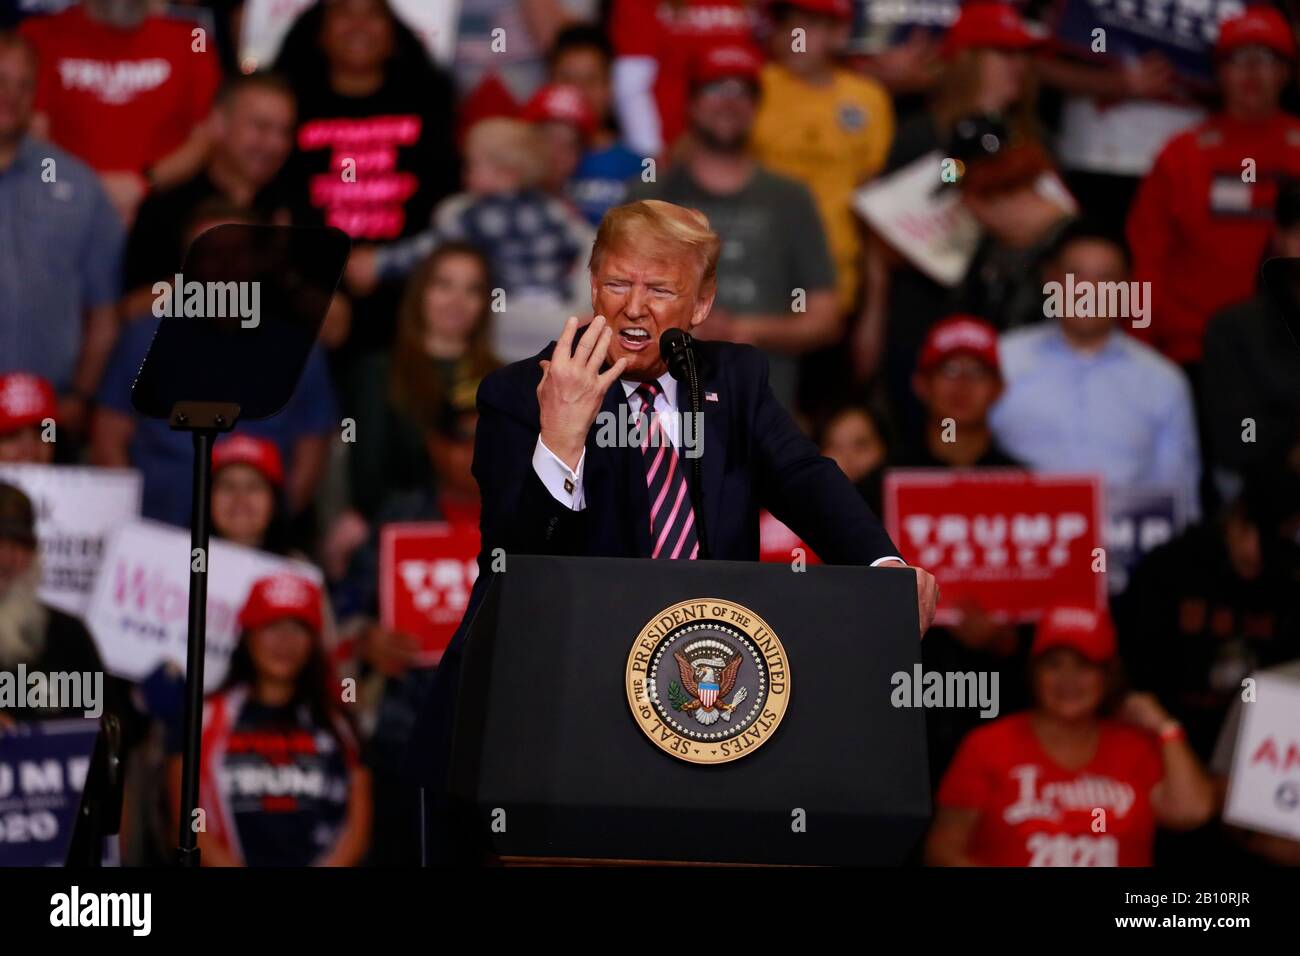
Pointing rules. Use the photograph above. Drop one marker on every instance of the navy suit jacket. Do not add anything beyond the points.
(753, 456)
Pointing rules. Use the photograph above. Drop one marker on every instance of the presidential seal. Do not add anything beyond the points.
(708, 681)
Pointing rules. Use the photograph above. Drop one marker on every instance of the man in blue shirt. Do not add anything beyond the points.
(60, 251)
(1082, 396)
(122, 437)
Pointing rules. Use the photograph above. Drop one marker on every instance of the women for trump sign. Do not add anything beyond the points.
(1013, 542)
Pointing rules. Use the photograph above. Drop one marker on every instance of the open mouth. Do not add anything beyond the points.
(634, 338)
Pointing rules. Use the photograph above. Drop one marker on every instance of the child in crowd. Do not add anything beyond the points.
(537, 243)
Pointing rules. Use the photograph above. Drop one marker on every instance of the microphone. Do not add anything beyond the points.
(677, 348)
(678, 351)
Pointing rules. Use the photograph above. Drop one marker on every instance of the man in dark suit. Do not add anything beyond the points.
(553, 482)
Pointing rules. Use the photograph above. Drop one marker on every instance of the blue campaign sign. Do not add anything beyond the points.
(43, 766)
(1183, 31)
(878, 24)
(1139, 520)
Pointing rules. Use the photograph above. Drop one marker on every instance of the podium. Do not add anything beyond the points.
(624, 710)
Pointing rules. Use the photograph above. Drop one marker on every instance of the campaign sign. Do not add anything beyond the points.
(1264, 785)
(43, 767)
(139, 608)
(76, 509)
(778, 544)
(1183, 31)
(1139, 520)
(880, 24)
(1012, 541)
(265, 23)
(426, 571)
(927, 225)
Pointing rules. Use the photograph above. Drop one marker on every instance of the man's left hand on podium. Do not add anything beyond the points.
(927, 592)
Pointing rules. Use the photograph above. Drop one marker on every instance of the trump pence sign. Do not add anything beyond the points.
(1014, 542)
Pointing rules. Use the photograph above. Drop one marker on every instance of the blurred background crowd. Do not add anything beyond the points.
(471, 185)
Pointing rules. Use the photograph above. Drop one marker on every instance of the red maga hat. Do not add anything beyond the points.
(732, 61)
(259, 453)
(558, 103)
(1081, 629)
(280, 597)
(25, 399)
(1256, 26)
(985, 24)
(959, 335)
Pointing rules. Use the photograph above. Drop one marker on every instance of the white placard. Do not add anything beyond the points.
(926, 224)
(267, 21)
(76, 509)
(1264, 785)
(139, 609)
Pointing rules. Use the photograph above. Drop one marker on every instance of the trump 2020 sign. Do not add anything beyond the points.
(1015, 542)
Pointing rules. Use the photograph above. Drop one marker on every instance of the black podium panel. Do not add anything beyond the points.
(549, 761)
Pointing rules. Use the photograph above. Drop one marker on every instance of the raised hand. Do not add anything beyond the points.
(573, 388)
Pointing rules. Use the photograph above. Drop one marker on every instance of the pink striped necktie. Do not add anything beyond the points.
(672, 519)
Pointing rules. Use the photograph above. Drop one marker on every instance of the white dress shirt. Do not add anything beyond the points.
(565, 483)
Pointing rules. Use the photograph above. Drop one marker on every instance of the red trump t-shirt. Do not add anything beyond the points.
(121, 99)
(676, 35)
(1034, 812)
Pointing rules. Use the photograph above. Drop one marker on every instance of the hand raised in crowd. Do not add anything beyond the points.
(977, 629)
(72, 413)
(1149, 77)
(910, 67)
(1143, 710)
(362, 274)
(389, 652)
(573, 388)
(125, 189)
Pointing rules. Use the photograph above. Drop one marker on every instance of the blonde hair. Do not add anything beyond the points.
(511, 144)
(655, 222)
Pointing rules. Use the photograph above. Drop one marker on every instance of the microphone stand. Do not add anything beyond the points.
(697, 479)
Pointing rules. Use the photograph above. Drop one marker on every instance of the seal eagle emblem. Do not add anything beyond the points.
(707, 681)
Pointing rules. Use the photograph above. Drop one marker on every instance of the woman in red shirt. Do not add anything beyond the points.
(1061, 785)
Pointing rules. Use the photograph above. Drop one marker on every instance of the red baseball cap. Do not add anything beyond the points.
(732, 61)
(959, 335)
(558, 103)
(282, 596)
(25, 399)
(1081, 629)
(985, 24)
(259, 453)
(1256, 26)
(840, 9)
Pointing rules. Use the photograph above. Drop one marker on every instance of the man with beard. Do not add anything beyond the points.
(776, 287)
(33, 634)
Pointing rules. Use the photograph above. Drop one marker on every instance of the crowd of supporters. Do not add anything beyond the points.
(471, 187)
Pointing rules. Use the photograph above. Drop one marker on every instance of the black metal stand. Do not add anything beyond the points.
(205, 420)
(697, 475)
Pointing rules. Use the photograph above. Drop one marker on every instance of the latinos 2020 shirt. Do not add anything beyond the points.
(275, 780)
(1034, 812)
